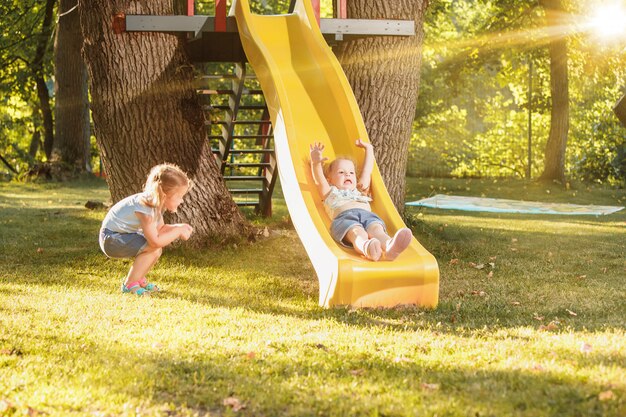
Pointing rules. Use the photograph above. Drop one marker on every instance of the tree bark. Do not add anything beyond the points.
(71, 133)
(384, 72)
(145, 112)
(554, 160)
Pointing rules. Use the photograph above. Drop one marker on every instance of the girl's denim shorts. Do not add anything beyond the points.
(348, 219)
(121, 245)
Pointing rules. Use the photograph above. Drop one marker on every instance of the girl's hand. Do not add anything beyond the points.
(316, 153)
(185, 231)
(360, 144)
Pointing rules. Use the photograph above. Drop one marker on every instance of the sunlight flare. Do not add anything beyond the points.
(608, 21)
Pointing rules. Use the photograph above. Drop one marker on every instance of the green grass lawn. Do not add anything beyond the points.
(531, 320)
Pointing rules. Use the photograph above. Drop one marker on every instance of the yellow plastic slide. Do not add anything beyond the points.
(309, 99)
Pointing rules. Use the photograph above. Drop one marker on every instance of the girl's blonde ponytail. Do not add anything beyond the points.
(162, 179)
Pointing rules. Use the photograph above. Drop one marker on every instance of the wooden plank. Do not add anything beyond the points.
(220, 15)
(199, 23)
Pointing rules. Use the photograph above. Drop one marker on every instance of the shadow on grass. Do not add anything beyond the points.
(333, 382)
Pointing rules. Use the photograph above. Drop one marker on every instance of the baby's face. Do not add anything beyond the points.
(343, 175)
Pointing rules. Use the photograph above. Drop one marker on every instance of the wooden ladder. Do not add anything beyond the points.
(240, 132)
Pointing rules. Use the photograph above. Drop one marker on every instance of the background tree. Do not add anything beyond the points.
(72, 134)
(38, 70)
(384, 72)
(554, 165)
(145, 112)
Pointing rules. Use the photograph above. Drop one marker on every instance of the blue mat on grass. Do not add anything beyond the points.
(499, 205)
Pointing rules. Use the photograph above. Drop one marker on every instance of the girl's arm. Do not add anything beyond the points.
(156, 234)
(317, 168)
(368, 164)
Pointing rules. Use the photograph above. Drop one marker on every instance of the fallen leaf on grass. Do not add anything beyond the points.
(514, 240)
(585, 347)
(493, 258)
(538, 368)
(490, 274)
(39, 250)
(251, 355)
(476, 266)
(357, 372)
(6, 406)
(513, 249)
(549, 327)
(515, 303)
(570, 312)
(399, 359)
(479, 293)
(538, 318)
(34, 413)
(429, 386)
(453, 261)
(11, 352)
(233, 403)
(581, 277)
(606, 395)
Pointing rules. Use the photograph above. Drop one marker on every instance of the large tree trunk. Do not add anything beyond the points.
(384, 72)
(145, 112)
(71, 133)
(554, 165)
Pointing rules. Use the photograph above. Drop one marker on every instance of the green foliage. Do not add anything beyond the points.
(542, 335)
(20, 29)
(473, 107)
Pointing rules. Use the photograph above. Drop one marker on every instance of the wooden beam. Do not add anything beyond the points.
(220, 15)
(199, 23)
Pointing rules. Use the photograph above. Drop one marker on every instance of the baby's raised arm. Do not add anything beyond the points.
(317, 168)
(368, 164)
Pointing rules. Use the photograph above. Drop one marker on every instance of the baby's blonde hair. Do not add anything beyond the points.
(329, 167)
(162, 180)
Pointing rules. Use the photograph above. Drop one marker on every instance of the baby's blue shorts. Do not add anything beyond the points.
(121, 245)
(348, 219)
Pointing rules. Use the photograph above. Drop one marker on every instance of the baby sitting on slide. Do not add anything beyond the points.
(353, 222)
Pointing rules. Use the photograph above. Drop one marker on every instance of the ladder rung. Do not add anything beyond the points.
(243, 178)
(249, 76)
(248, 151)
(241, 122)
(245, 151)
(247, 203)
(215, 137)
(252, 91)
(252, 136)
(216, 77)
(252, 122)
(242, 107)
(246, 190)
(248, 164)
(214, 92)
